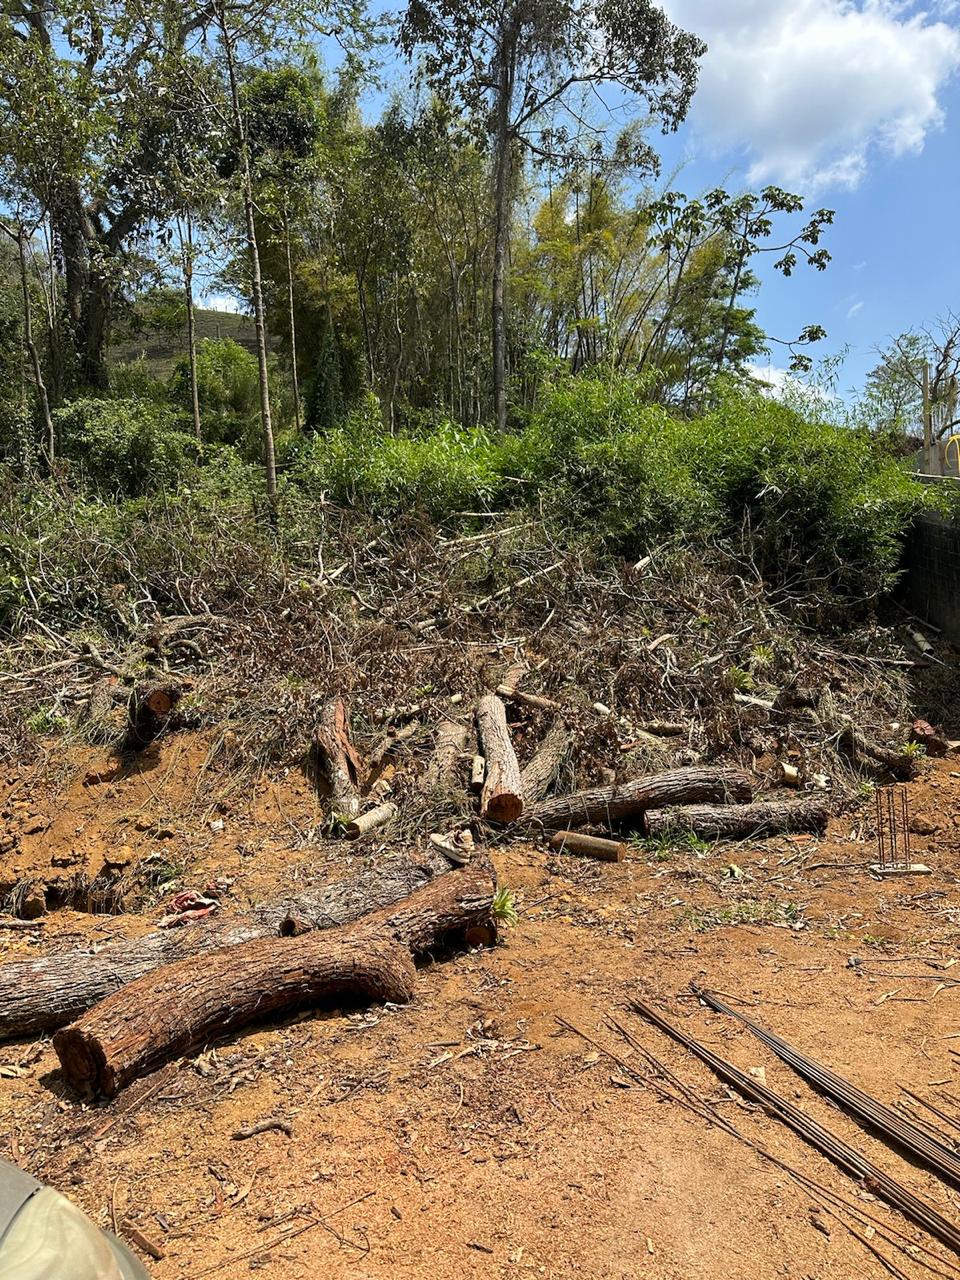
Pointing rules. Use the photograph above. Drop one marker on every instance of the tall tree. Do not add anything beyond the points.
(518, 68)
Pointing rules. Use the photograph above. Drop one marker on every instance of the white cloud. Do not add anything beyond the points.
(857, 306)
(810, 89)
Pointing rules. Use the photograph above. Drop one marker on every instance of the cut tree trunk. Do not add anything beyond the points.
(369, 821)
(188, 1003)
(537, 776)
(150, 709)
(740, 821)
(501, 799)
(338, 760)
(605, 805)
(588, 846)
(45, 992)
(901, 764)
(450, 744)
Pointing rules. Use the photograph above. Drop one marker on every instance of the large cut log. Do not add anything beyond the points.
(186, 1004)
(338, 760)
(537, 776)
(501, 799)
(45, 992)
(150, 710)
(740, 821)
(602, 806)
(449, 745)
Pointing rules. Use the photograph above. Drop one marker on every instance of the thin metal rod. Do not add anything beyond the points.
(815, 1134)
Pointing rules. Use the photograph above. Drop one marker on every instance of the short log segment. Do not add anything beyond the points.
(588, 846)
(369, 821)
(501, 799)
(183, 1005)
(42, 993)
(602, 806)
(337, 759)
(537, 776)
(150, 710)
(740, 821)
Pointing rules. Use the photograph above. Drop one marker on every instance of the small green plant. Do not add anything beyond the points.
(865, 792)
(505, 907)
(664, 848)
(740, 680)
(748, 911)
(914, 750)
(44, 723)
(761, 657)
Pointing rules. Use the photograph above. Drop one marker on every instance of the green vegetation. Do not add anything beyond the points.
(748, 911)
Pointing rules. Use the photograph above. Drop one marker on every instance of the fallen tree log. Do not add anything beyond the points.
(740, 821)
(620, 800)
(537, 776)
(149, 711)
(501, 799)
(45, 992)
(337, 759)
(183, 1005)
(449, 745)
(535, 700)
(901, 764)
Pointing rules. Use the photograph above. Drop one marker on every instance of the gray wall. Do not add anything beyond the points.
(931, 581)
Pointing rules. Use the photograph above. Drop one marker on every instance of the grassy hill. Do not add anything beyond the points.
(159, 351)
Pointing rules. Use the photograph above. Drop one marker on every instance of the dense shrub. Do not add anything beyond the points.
(228, 388)
(128, 447)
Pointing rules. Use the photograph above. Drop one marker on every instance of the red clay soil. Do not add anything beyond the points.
(469, 1134)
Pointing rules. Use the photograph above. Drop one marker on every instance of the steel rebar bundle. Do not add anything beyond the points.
(840, 1152)
(896, 1128)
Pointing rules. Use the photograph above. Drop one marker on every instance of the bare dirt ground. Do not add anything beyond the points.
(470, 1133)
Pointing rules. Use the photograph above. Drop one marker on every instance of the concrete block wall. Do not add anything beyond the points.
(931, 580)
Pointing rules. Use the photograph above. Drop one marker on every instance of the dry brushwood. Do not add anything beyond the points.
(45, 992)
(604, 805)
(740, 821)
(185, 1004)
(538, 775)
(501, 799)
(337, 759)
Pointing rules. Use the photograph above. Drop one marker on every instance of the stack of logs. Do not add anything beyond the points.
(135, 1003)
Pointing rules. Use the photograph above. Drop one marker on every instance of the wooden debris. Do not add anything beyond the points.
(184, 1004)
(588, 846)
(369, 821)
(478, 769)
(501, 799)
(263, 1126)
(539, 773)
(450, 744)
(739, 822)
(534, 700)
(337, 759)
(44, 992)
(603, 805)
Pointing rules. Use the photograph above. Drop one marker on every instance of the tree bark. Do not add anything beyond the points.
(539, 772)
(42, 993)
(502, 194)
(450, 744)
(588, 846)
(20, 235)
(293, 327)
(256, 280)
(337, 759)
(185, 1004)
(149, 710)
(501, 799)
(186, 247)
(740, 821)
(605, 805)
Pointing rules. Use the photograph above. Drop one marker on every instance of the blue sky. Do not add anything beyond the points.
(855, 104)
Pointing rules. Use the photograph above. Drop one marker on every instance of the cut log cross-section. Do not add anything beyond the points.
(501, 799)
(185, 1004)
(337, 759)
(628, 800)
